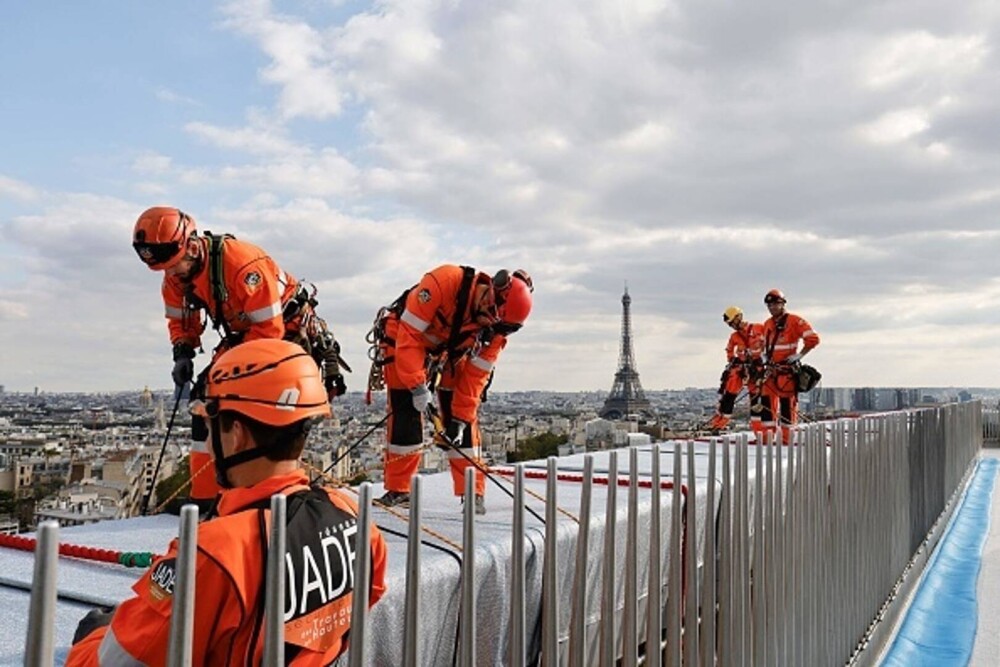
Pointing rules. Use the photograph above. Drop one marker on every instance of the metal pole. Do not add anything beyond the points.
(630, 621)
(274, 596)
(362, 579)
(182, 609)
(467, 632)
(654, 598)
(518, 651)
(708, 592)
(608, 593)
(578, 617)
(675, 596)
(411, 609)
(39, 647)
(691, 601)
(550, 572)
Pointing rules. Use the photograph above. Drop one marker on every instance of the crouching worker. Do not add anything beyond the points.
(262, 398)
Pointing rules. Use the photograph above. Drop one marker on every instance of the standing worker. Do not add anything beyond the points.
(782, 355)
(262, 398)
(245, 295)
(744, 368)
(443, 335)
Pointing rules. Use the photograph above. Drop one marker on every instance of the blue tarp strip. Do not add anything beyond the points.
(940, 626)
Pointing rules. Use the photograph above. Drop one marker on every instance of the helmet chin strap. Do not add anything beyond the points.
(224, 463)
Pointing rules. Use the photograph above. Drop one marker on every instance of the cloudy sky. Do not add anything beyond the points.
(703, 152)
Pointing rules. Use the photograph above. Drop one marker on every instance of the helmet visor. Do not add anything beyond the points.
(506, 328)
(155, 254)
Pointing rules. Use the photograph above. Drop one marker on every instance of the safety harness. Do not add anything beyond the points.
(378, 340)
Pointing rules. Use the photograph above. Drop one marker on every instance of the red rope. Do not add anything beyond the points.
(72, 550)
(622, 480)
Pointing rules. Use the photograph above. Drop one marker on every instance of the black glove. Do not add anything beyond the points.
(95, 618)
(454, 431)
(335, 385)
(183, 364)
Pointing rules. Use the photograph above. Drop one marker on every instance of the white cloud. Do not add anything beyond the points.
(920, 55)
(896, 126)
(14, 189)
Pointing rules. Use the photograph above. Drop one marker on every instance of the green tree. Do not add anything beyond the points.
(170, 485)
(7, 503)
(536, 447)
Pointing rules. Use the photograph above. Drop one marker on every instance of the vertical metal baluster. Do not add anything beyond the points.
(467, 631)
(691, 563)
(39, 648)
(675, 596)
(630, 622)
(578, 621)
(274, 593)
(362, 579)
(411, 608)
(709, 554)
(608, 593)
(758, 595)
(726, 597)
(550, 576)
(182, 608)
(654, 597)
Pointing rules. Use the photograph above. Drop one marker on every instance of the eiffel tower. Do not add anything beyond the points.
(626, 397)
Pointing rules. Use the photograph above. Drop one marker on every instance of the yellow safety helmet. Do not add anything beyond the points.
(729, 315)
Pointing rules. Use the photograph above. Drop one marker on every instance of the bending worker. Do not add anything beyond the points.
(245, 295)
(744, 368)
(782, 333)
(261, 400)
(444, 334)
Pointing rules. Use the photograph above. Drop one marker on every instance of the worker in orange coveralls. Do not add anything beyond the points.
(744, 368)
(246, 296)
(261, 400)
(782, 334)
(444, 334)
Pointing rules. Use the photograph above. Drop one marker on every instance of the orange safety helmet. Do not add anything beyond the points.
(513, 295)
(272, 381)
(161, 235)
(774, 296)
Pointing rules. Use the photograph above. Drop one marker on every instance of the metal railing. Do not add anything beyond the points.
(774, 555)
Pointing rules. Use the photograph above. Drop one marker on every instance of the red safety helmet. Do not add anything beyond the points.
(774, 296)
(161, 235)
(513, 295)
(272, 381)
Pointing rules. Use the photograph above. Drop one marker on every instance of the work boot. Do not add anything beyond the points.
(480, 504)
(718, 423)
(394, 499)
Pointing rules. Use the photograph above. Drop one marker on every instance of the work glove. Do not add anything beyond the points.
(454, 431)
(95, 618)
(183, 364)
(421, 397)
(794, 359)
(335, 385)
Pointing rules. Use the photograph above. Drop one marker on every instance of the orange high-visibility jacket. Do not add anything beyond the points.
(229, 587)
(781, 337)
(747, 343)
(256, 290)
(424, 329)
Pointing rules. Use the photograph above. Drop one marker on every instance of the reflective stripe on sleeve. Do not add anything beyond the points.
(264, 314)
(786, 346)
(175, 313)
(112, 654)
(403, 450)
(481, 363)
(432, 339)
(806, 334)
(414, 321)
